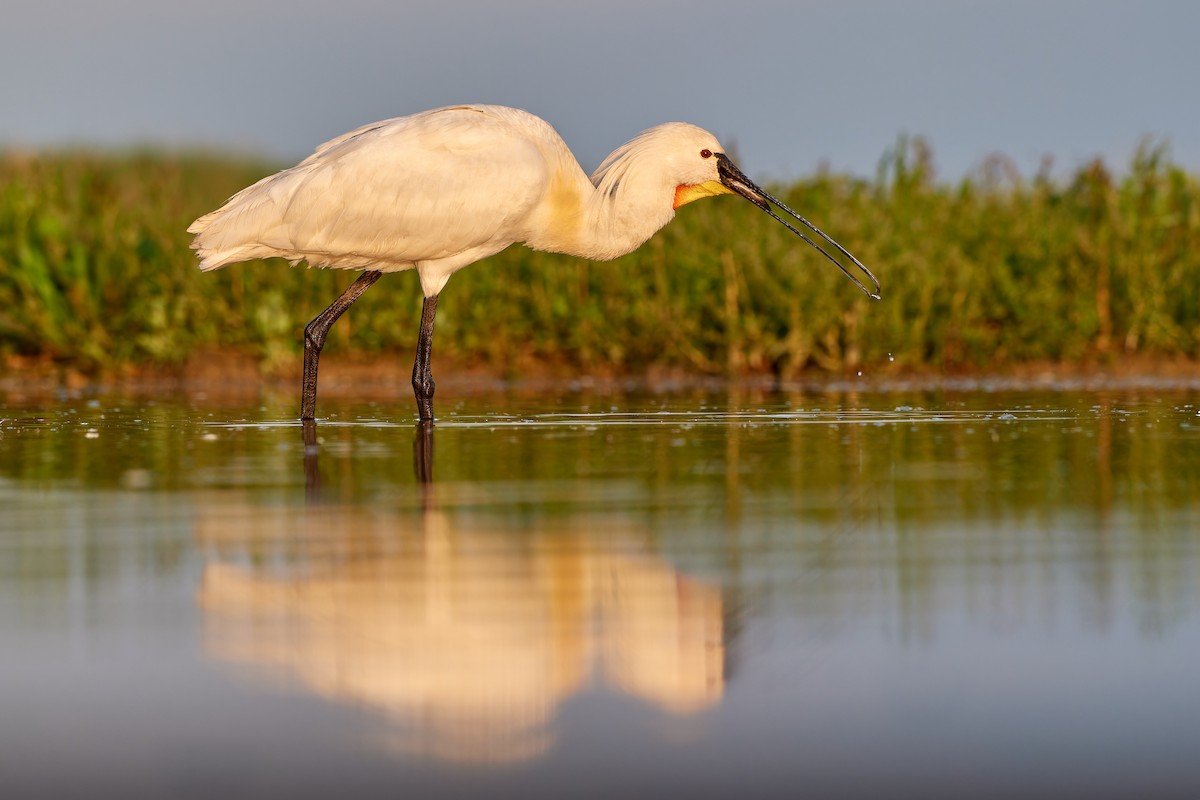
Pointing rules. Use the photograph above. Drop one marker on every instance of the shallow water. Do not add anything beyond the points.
(732, 594)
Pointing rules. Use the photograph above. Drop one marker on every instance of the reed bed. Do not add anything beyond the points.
(994, 270)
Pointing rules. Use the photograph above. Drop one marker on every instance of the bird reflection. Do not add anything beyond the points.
(463, 634)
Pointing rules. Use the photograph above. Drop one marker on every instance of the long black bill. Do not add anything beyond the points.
(733, 178)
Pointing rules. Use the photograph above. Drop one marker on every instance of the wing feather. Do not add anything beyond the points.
(390, 194)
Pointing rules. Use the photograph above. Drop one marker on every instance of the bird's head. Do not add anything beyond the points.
(697, 165)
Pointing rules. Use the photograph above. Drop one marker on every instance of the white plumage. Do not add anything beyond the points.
(445, 188)
(439, 190)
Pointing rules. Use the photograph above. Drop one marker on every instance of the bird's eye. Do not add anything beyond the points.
(706, 153)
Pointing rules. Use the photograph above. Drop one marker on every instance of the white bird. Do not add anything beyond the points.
(442, 189)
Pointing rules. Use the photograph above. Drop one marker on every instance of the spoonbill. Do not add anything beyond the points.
(442, 189)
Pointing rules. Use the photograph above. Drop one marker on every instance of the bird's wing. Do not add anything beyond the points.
(411, 189)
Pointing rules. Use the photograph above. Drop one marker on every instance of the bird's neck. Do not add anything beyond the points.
(602, 220)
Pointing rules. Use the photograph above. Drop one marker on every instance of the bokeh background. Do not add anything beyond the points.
(1019, 174)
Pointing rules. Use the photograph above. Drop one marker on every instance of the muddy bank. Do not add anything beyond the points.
(235, 374)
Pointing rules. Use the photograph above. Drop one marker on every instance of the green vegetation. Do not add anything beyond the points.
(95, 272)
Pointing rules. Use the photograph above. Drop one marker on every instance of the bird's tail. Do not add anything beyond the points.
(211, 257)
(235, 231)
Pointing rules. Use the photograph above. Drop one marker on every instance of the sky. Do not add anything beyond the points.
(788, 86)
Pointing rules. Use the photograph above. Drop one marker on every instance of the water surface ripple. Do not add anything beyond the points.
(718, 593)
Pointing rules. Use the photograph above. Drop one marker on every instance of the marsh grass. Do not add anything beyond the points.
(994, 270)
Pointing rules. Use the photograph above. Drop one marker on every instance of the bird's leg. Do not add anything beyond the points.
(422, 378)
(314, 339)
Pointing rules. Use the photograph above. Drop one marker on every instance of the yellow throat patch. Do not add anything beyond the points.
(687, 192)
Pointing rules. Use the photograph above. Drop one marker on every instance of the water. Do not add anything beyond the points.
(716, 594)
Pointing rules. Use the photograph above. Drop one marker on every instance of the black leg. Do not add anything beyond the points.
(314, 339)
(422, 374)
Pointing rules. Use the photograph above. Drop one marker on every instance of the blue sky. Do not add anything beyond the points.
(789, 84)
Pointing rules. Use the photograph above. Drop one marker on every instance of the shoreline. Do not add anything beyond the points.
(377, 377)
